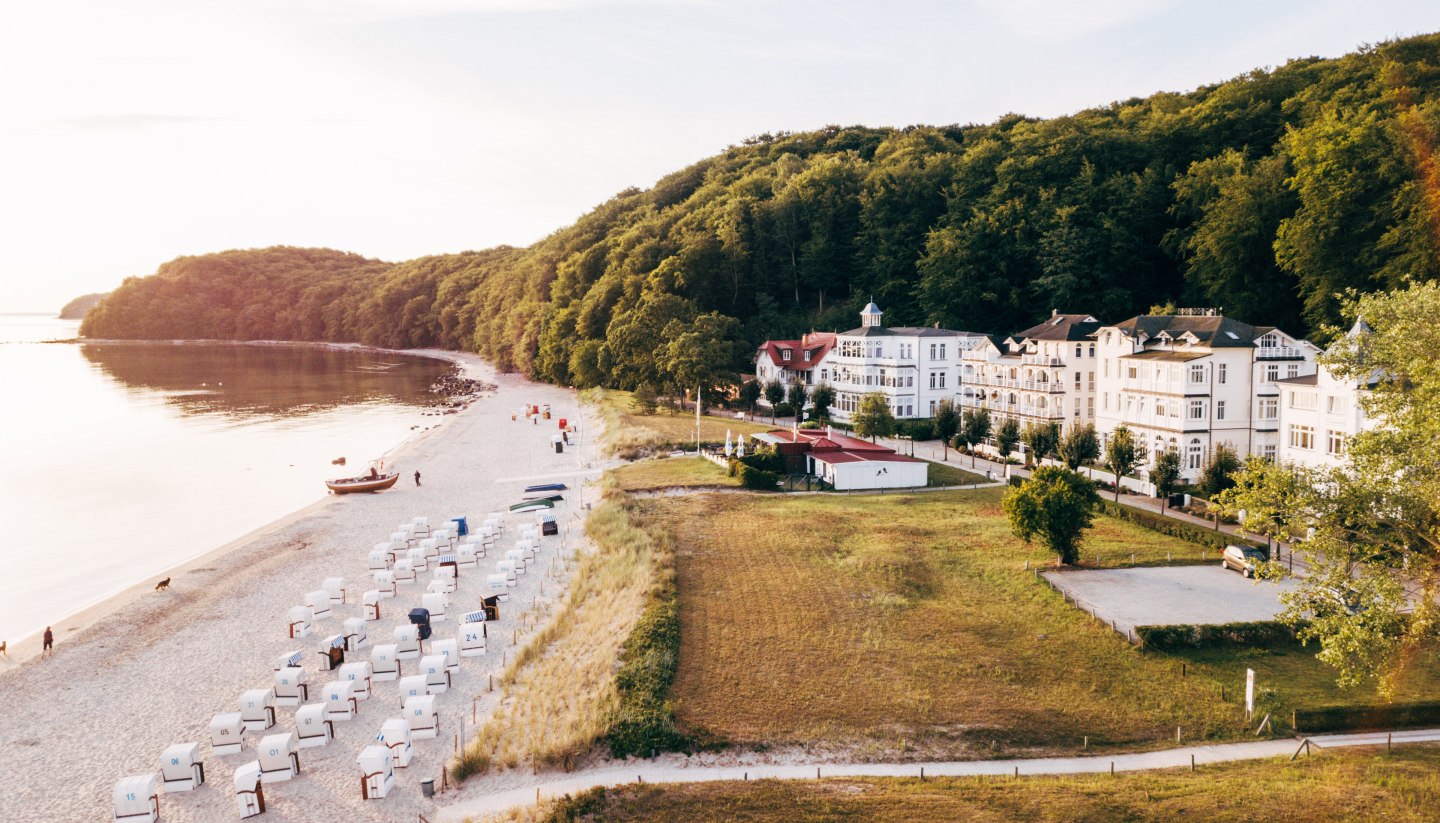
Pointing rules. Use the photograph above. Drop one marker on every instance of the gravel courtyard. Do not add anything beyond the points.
(1171, 596)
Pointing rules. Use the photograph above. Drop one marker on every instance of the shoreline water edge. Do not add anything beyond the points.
(148, 669)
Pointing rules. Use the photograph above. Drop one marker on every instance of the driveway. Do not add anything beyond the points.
(1171, 595)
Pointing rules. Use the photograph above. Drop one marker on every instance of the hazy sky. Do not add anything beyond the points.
(133, 131)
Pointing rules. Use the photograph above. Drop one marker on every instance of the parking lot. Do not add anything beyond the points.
(1171, 596)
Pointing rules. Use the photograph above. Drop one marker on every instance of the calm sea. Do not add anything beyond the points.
(122, 460)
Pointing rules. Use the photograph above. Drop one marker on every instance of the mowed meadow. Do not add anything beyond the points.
(906, 623)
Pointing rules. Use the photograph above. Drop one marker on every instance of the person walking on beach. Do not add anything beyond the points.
(417, 477)
(49, 643)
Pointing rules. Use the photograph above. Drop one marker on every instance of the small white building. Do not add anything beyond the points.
(847, 463)
(1320, 413)
(1196, 379)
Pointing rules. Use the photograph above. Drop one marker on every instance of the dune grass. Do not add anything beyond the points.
(942, 474)
(630, 435)
(1340, 785)
(560, 694)
(672, 473)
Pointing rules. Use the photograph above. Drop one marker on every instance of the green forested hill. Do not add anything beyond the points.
(1266, 195)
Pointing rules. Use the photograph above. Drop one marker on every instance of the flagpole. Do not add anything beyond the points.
(697, 419)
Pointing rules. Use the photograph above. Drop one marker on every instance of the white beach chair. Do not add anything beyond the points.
(385, 582)
(257, 709)
(421, 715)
(507, 568)
(473, 634)
(436, 602)
(136, 800)
(290, 686)
(436, 669)
(419, 562)
(227, 734)
(395, 736)
(288, 659)
(469, 554)
(311, 727)
(355, 636)
(413, 685)
(488, 534)
(333, 650)
(384, 664)
(339, 699)
(249, 792)
(279, 760)
(496, 522)
(335, 587)
(406, 531)
(407, 642)
(300, 619)
(549, 526)
(517, 558)
(429, 548)
(529, 545)
(404, 571)
(381, 557)
(400, 538)
(370, 604)
(422, 526)
(442, 584)
(377, 772)
(319, 603)
(447, 536)
(528, 531)
(181, 769)
(359, 673)
(496, 584)
(449, 648)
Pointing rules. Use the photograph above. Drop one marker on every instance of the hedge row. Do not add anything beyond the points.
(1172, 526)
(644, 723)
(758, 479)
(1362, 718)
(1167, 638)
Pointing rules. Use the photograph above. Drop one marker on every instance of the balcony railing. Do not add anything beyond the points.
(1047, 386)
(1279, 353)
(1042, 360)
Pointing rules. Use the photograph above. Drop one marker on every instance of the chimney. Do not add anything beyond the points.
(1054, 312)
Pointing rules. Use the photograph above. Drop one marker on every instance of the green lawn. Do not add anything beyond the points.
(943, 474)
(1334, 786)
(671, 473)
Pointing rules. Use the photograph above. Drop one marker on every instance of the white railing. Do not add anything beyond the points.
(1041, 360)
(1279, 353)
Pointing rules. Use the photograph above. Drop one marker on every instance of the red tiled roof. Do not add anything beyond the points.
(821, 439)
(804, 354)
(834, 457)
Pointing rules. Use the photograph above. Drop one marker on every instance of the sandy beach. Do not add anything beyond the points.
(148, 668)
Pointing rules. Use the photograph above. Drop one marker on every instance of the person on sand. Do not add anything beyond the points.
(49, 648)
(417, 477)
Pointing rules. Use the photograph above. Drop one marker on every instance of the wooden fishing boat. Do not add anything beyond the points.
(547, 487)
(362, 484)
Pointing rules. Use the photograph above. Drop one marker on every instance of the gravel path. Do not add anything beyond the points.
(159, 665)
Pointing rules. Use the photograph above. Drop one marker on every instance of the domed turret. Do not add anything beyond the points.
(870, 316)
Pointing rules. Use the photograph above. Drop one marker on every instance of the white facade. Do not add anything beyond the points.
(915, 368)
(791, 360)
(1319, 414)
(1194, 380)
(879, 472)
(1045, 374)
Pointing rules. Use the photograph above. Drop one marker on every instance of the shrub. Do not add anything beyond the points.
(1360, 718)
(810, 424)
(1168, 638)
(784, 410)
(1173, 527)
(758, 479)
(644, 724)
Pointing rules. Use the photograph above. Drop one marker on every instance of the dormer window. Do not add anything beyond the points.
(784, 354)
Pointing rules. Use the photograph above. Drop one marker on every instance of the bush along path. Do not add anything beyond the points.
(551, 786)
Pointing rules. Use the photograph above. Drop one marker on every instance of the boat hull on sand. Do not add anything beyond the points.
(350, 485)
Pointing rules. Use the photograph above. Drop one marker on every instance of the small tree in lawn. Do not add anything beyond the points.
(1055, 505)
(1217, 475)
(1166, 474)
(1121, 455)
(1040, 439)
(947, 423)
(796, 397)
(774, 395)
(750, 395)
(1079, 446)
(873, 417)
(822, 397)
(643, 400)
(1007, 436)
(976, 427)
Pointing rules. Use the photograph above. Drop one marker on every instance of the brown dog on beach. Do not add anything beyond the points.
(162, 585)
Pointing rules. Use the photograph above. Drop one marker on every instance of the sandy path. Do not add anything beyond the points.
(693, 770)
(156, 666)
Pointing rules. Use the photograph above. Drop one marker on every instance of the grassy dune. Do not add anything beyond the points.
(1403, 788)
(631, 435)
(672, 473)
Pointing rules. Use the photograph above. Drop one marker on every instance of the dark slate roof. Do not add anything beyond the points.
(1165, 355)
(1061, 327)
(1302, 380)
(1215, 331)
(905, 331)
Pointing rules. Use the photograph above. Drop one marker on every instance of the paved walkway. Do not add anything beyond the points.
(549, 786)
(1170, 596)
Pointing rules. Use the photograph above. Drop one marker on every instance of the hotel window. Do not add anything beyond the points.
(1292, 370)
(909, 381)
(1334, 443)
(932, 408)
(1220, 372)
(1197, 410)
(1268, 452)
(1272, 373)
(1092, 381)
(1302, 437)
(1197, 374)
(1219, 409)
(932, 351)
(1077, 379)
(1269, 408)
(1106, 367)
(1334, 404)
(1077, 407)
(1195, 453)
(1302, 400)
(1105, 400)
(1092, 349)
(1078, 350)
(1090, 405)
(824, 375)
(942, 351)
(1130, 372)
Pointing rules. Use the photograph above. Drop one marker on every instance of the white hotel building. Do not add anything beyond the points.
(1195, 380)
(1320, 413)
(914, 367)
(1045, 374)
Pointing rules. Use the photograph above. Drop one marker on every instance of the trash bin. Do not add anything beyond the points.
(559, 448)
(427, 787)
